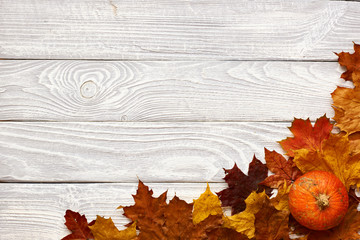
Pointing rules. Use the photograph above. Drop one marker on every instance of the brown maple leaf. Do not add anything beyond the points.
(284, 170)
(226, 234)
(78, 226)
(148, 212)
(306, 136)
(272, 219)
(158, 220)
(351, 62)
(179, 223)
(240, 186)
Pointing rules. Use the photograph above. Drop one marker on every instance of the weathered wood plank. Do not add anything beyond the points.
(122, 152)
(182, 29)
(35, 211)
(166, 91)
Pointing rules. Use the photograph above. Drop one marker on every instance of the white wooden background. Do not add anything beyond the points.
(95, 94)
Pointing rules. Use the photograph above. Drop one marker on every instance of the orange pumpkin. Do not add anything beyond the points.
(318, 200)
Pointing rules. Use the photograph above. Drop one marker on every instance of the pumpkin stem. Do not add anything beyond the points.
(322, 201)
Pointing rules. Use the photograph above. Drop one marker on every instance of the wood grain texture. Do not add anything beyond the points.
(177, 30)
(122, 152)
(35, 211)
(166, 91)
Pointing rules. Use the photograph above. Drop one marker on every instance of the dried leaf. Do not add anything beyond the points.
(297, 229)
(351, 62)
(207, 204)
(346, 100)
(148, 212)
(271, 223)
(105, 229)
(240, 185)
(226, 234)
(158, 220)
(347, 109)
(179, 223)
(244, 222)
(205, 227)
(306, 136)
(281, 201)
(78, 225)
(334, 157)
(353, 196)
(178, 215)
(284, 170)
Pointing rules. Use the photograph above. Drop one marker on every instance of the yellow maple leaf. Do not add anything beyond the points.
(333, 157)
(281, 201)
(105, 229)
(207, 204)
(244, 222)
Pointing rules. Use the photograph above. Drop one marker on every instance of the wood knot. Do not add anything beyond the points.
(88, 89)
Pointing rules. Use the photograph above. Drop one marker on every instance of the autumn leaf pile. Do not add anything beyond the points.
(258, 201)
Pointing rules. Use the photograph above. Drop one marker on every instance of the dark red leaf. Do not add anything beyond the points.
(240, 186)
(78, 225)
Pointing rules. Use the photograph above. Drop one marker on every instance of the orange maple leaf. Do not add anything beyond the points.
(285, 171)
(307, 136)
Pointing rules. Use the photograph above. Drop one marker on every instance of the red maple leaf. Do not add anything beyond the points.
(240, 186)
(307, 136)
(78, 226)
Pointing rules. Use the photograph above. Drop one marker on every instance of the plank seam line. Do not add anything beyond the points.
(175, 60)
(146, 122)
(83, 183)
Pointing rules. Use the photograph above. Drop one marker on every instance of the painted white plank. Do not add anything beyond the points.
(166, 91)
(35, 211)
(121, 152)
(181, 30)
